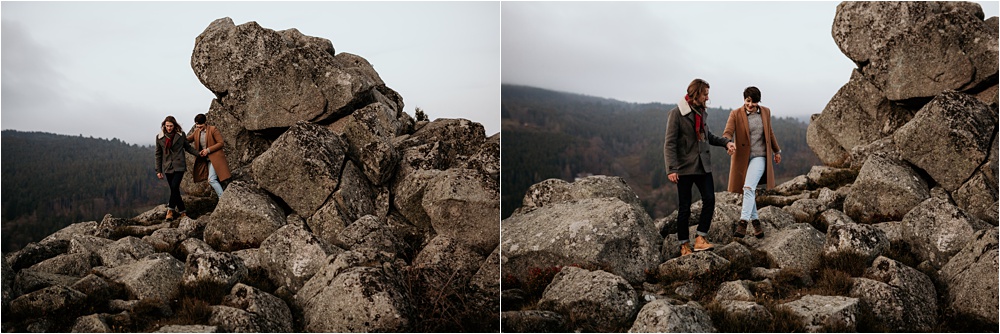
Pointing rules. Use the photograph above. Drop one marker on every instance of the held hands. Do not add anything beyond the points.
(204, 152)
(731, 148)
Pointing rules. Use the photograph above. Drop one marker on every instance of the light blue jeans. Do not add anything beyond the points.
(213, 180)
(755, 169)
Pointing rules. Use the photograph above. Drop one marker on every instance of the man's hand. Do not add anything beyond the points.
(673, 177)
(731, 148)
(159, 176)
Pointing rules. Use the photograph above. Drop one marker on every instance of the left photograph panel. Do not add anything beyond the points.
(250, 166)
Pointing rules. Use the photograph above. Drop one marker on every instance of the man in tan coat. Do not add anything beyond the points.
(211, 164)
(750, 127)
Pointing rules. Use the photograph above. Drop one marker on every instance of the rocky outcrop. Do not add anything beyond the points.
(257, 213)
(936, 230)
(886, 189)
(664, 317)
(603, 301)
(887, 285)
(354, 287)
(597, 231)
(824, 313)
(341, 215)
(970, 278)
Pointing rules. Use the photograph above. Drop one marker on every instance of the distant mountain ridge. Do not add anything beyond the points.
(51, 181)
(551, 134)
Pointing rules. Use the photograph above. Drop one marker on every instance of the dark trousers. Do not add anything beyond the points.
(174, 180)
(707, 189)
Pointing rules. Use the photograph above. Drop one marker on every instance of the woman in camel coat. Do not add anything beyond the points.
(211, 164)
(750, 127)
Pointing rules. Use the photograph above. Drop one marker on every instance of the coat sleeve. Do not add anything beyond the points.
(188, 147)
(670, 142)
(715, 140)
(217, 137)
(159, 156)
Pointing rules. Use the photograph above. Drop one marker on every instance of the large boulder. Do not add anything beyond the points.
(970, 278)
(75, 264)
(353, 293)
(36, 252)
(445, 261)
(465, 205)
(825, 313)
(125, 251)
(825, 145)
(663, 316)
(242, 146)
(886, 189)
(599, 186)
(699, 264)
(597, 231)
(54, 300)
(796, 247)
(936, 230)
(441, 144)
(408, 196)
(246, 216)
(601, 300)
(978, 196)
(247, 310)
(292, 255)
(302, 167)
(278, 78)
(354, 199)
(157, 276)
(213, 271)
(369, 132)
(916, 50)
(900, 298)
(373, 233)
(866, 240)
(859, 113)
(949, 138)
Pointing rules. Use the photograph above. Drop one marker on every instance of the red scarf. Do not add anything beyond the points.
(697, 118)
(169, 139)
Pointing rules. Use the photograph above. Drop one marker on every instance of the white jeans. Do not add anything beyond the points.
(755, 169)
(213, 180)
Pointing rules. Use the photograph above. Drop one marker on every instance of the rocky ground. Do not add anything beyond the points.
(344, 214)
(896, 232)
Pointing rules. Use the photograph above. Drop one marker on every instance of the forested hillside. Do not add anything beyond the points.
(548, 134)
(51, 181)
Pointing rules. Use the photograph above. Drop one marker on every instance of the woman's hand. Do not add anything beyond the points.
(731, 148)
(204, 152)
(159, 176)
(777, 158)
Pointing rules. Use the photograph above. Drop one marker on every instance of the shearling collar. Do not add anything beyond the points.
(684, 107)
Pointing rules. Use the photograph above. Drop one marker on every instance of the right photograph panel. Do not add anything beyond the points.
(749, 166)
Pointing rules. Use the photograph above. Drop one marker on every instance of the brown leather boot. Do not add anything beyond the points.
(757, 228)
(170, 214)
(686, 249)
(700, 244)
(741, 229)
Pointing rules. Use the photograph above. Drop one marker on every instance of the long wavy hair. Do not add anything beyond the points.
(171, 119)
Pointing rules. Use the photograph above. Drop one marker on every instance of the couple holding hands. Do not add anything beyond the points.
(748, 140)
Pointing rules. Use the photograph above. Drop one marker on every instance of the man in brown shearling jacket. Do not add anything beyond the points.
(688, 161)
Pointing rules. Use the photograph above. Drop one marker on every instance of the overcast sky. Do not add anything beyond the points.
(650, 51)
(116, 69)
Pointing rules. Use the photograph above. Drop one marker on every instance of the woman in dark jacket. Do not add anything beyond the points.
(171, 161)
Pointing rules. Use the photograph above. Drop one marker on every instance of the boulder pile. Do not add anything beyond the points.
(897, 231)
(344, 214)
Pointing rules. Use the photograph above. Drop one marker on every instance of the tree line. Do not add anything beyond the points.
(50, 181)
(548, 134)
